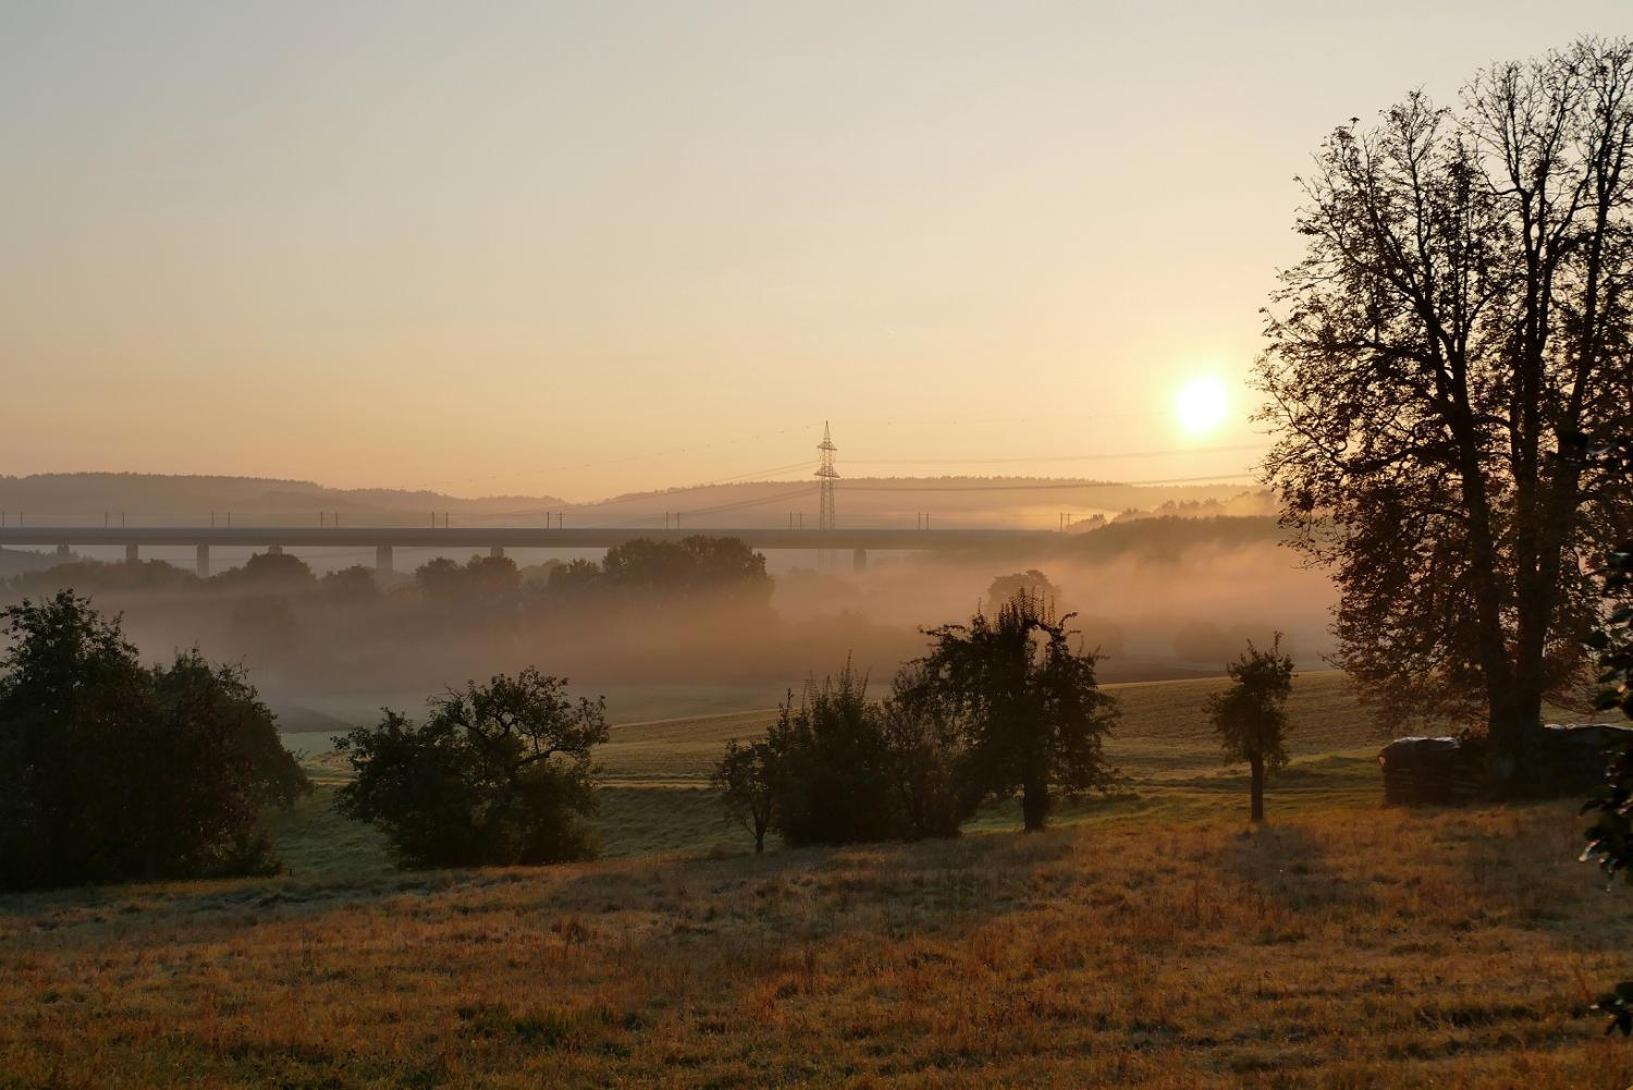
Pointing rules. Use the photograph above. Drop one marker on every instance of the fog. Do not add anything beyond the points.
(330, 651)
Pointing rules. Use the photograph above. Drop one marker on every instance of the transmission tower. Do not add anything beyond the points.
(830, 478)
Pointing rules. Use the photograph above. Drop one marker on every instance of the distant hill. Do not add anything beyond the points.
(1039, 502)
(152, 499)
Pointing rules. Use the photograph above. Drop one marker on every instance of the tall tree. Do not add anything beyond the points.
(1035, 716)
(1250, 715)
(1454, 339)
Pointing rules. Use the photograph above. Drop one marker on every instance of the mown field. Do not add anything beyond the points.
(1148, 940)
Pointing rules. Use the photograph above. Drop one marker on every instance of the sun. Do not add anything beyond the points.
(1201, 405)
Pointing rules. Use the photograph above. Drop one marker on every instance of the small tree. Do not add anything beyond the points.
(1250, 716)
(498, 774)
(1034, 714)
(746, 780)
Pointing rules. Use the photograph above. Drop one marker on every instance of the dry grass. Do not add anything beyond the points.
(1150, 941)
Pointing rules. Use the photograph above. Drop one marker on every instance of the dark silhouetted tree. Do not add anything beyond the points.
(353, 586)
(1610, 836)
(723, 568)
(1455, 337)
(1250, 716)
(746, 780)
(1034, 714)
(112, 772)
(275, 572)
(497, 774)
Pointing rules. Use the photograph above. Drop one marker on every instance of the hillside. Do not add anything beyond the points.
(150, 499)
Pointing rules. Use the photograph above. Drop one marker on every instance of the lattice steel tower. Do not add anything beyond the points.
(830, 478)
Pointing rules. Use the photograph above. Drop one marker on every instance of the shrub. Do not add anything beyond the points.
(498, 774)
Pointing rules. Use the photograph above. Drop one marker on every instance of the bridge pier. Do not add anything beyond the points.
(62, 552)
(497, 552)
(859, 560)
(203, 561)
(132, 553)
(382, 559)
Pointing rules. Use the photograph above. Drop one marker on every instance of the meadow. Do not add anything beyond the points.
(1150, 939)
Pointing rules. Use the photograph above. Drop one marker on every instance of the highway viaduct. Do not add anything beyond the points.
(495, 539)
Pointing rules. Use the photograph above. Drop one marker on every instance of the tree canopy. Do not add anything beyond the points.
(499, 773)
(1455, 338)
(111, 771)
(1250, 715)
(1035, 716)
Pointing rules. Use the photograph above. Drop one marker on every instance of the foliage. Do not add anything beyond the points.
(351, 586)
(1250, 716)
(1453, 339)
(1032, 712)
(687, 569)
(1033, 581)
(482, 583)
(1610, 837)
(498, 774)
(830, 766)
(111, 772)
(269, 571)
(746, 780)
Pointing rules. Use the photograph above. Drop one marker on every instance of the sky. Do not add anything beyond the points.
(586, 248)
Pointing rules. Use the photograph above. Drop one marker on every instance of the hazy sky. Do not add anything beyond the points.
(581, 248)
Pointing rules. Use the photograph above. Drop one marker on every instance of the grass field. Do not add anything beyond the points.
(1147, 940)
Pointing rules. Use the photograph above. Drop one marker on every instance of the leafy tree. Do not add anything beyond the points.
(351, 586)
(269, 571)
(112, 772)
(497, 774)
(746, 780)
(1034, 713)
(1454, 339)
(1250, 716)
(719, 567)
(1033, 581)
(483, 583)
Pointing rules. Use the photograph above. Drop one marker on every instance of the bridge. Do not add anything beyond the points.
(495, 539)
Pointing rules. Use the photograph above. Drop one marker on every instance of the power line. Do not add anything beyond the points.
(1240, 448)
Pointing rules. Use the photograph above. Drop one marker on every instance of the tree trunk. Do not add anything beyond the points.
(1034, 805)
(1257, 789)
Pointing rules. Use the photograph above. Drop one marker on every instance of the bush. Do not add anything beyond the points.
(498, 774)
(830, 762)
(841, 769)
(112, 772)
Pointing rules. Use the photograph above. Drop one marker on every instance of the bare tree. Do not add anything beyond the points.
(1454, 341)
